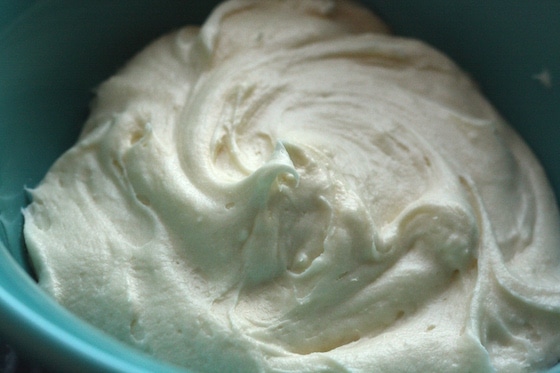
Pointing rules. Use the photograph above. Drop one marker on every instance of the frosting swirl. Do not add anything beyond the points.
(292, 188)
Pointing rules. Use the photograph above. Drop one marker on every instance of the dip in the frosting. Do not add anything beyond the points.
(290, 188)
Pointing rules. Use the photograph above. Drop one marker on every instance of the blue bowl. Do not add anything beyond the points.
(54, 52)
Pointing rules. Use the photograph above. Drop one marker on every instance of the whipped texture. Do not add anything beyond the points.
(290, 188)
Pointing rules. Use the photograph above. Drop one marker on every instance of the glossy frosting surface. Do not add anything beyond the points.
(292, 188)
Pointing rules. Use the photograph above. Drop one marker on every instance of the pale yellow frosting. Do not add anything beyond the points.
(291, 189)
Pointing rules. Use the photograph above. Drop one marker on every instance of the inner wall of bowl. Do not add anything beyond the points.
(55, 52)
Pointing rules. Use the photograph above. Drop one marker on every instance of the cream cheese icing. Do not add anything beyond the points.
(291, 188)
